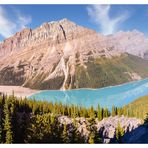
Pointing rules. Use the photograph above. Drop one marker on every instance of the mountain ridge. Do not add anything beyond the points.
(62, 54)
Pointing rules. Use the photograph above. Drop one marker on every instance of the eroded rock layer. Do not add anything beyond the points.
(58, 54)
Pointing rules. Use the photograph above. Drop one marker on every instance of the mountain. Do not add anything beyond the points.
(64, 55)
(133, 42)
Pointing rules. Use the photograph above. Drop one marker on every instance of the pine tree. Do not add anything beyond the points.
(23, 128)
(97, 138)
(1, 120)
(60, 130)
(146, 121)
(91, 128)
(105, 113)
(76, 136)
(0, 131)
(99, 113)
(119, 133)
(7, 124)
(119, 111)
(39, 127)
(114, 111)
(56, 130)
(91, 113)
(65, 136)
(91, 138)
(75, 133)
(124, 111)
(2, 102)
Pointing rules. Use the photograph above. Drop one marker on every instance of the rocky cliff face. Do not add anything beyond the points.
(49, 57)
(132, 42)
(107, 128)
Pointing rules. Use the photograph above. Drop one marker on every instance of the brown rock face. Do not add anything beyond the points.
(47, 56)
(133, 42)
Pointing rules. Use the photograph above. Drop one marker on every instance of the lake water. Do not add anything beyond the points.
(106, 97)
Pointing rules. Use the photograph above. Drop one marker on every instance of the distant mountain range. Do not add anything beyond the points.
(64, 55)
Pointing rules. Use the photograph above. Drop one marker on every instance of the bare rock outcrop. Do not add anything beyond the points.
(107, 127)
(133, 42)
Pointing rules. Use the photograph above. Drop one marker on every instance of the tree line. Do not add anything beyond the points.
(31, 121)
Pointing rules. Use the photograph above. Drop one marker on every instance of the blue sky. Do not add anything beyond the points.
(105, 19)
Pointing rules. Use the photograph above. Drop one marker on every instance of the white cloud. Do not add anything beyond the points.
(100, 14)
(8, 26)
(23, 21)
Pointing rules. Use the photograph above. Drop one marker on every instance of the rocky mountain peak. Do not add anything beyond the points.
(52, 53)
(64, 22)
(51, 33)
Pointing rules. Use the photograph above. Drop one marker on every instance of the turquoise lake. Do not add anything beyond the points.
(107, 97)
